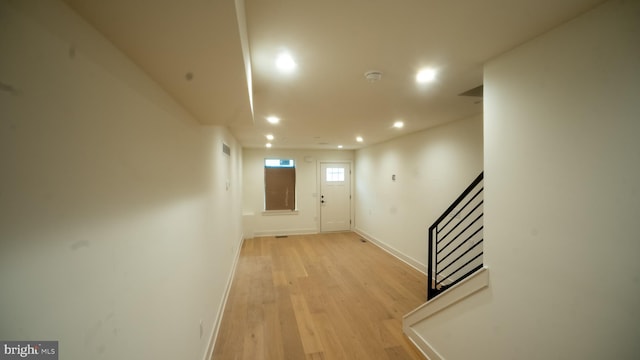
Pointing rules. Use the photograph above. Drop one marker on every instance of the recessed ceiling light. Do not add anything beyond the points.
(269, 137)
(398, 124)
(426, 75)
(268, 145)
(359, 139)
(339, 146)
(273, 119)
(285, 62)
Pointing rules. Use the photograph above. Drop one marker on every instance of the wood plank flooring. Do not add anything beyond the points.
(324, 296)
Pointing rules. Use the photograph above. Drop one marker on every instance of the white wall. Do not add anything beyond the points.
(432, 168)
(117, 232)
(561, 199)
(307, 219)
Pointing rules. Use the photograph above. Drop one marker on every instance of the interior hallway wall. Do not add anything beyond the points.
(432, 168)
(561, 199)
(118, 231)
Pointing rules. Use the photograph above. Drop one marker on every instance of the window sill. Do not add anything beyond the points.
(279, 212)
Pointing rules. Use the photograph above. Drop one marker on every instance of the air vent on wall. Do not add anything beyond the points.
(226, 149)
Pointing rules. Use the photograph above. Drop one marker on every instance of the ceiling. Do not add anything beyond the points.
(217, 59)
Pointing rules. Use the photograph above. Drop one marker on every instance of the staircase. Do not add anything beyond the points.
(455, 267)
(455, 241)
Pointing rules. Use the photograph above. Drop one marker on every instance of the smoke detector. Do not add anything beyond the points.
(373, 76)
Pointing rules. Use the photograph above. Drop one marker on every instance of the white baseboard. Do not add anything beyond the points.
(216, 326)
(285, 232)
(402, 257)
(423, 345)
(462, 290)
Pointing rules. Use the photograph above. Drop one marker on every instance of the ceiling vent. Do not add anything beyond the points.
(373, 76)
(475, 92)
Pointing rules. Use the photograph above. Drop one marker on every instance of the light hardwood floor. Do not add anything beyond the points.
(325, 296)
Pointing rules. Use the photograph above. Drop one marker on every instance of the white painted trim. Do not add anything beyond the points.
(467, 287)
(284, 232)
(423, 345)
(352, 191)
(444, 281)
(396, 253)
(462, 290)
(216, 327)
(279, 212)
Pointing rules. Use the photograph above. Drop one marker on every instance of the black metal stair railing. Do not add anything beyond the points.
(456, 241)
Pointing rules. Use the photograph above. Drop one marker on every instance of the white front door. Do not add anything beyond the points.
(335, 197)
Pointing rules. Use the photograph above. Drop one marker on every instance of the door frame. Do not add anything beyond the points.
(319, 190)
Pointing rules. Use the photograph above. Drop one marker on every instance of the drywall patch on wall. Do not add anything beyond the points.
(79, 244)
